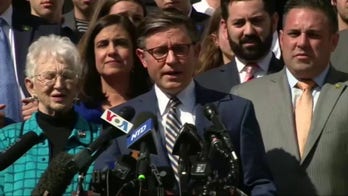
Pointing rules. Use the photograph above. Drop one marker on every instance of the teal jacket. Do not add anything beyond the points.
(22, 176)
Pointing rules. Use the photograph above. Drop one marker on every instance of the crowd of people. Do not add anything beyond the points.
(273, 74)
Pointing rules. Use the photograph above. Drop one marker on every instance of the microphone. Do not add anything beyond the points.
(142, 139)
(187, 143)
(56, 177)
(120, 121)
(21, 146)
(211, 114)
(225, 147)
(124, 167)
(109, 182)
(121, 126)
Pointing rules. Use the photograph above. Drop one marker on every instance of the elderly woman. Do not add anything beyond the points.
(53, 71)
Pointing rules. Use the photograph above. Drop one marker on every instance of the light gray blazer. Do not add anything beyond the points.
(322, 170)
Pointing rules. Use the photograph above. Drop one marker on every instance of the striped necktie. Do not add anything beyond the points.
(171, 131)
(9, 90)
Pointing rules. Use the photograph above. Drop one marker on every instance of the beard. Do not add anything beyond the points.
(251, 53)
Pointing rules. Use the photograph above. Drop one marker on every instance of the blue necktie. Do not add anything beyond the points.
(9, 91)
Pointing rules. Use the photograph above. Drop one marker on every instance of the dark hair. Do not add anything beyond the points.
(103, 8)
(92, 91)
(164, 19)
(268, 5)
(210, 55)
(322, 5)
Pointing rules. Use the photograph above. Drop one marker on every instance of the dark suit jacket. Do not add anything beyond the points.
(200, 20)
(321, 170)
(238, 116)
(27, 29)
(69, 21)
(223, 78)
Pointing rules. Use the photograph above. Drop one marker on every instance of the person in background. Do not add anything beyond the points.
(168, 50)
(302, 110)
(135, 10)
(113, 74)
(185, 7)
(50, 11)
(339, 57)
(206, 6)
(215, 48)
(341, 7)
(53, 71)
(79, 17)
(249, 26)
(10, 90)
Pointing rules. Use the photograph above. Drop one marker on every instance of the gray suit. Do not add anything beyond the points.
(322, 169)
(339, 57)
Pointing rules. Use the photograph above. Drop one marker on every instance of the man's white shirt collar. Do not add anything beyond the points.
(186, 96)
(262, 63)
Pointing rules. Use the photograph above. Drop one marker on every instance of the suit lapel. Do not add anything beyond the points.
(235, 74)
(22, 36)
(279, 90)
(330, 93)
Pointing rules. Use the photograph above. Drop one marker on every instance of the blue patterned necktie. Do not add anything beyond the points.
(172, 130)
(9, 91)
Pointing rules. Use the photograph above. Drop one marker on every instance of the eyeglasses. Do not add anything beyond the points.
(48, 78)
(160, 53)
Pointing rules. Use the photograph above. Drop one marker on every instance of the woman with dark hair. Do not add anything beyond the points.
(135, 10)
(113, 73)
(215, 48)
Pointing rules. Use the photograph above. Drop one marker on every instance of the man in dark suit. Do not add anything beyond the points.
(249, 26)
(305, 130)
(167, 49)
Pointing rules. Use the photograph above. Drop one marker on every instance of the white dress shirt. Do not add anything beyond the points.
(261, 70)
(185, 111)
(203, 7)
(296, 92)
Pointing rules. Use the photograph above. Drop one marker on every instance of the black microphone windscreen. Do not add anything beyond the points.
(56, 177)
(127, 112)
(135, 139)
(22, 145)
(125, 167)
(188, 138)
(144, 116)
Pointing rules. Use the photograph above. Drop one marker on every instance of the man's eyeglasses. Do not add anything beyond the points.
(48, 78)
(160, 53)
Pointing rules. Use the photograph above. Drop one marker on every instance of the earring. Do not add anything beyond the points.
(32, 98)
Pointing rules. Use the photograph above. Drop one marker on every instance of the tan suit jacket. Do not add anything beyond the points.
(322, 170)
